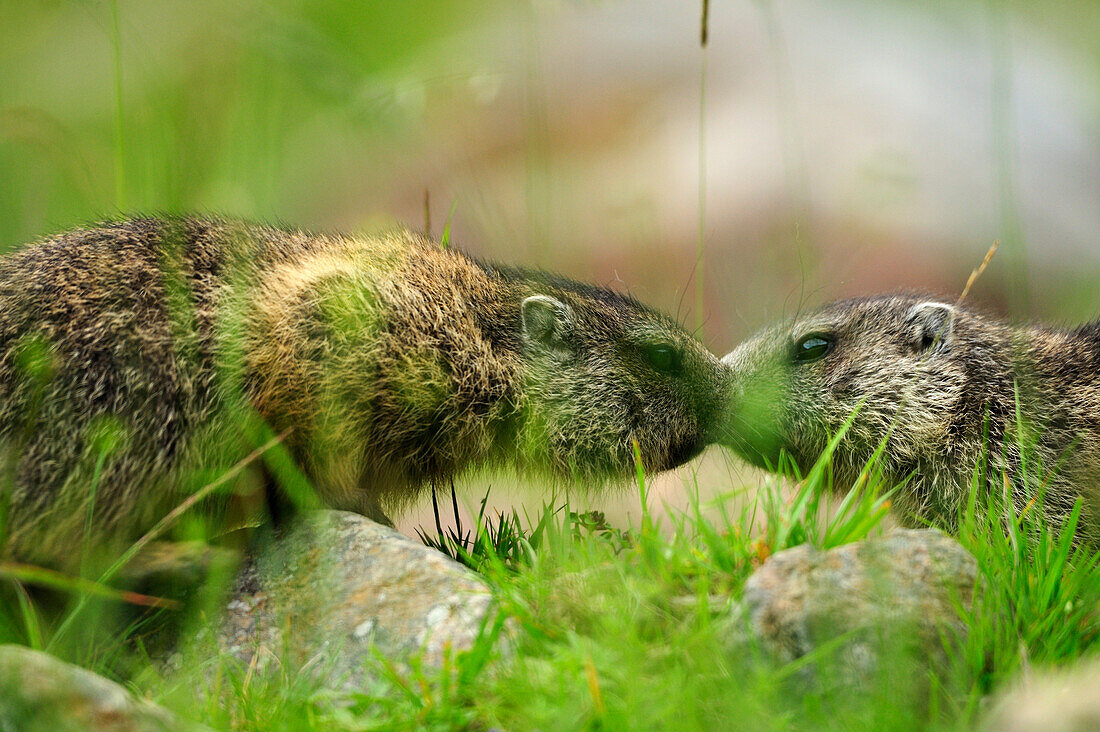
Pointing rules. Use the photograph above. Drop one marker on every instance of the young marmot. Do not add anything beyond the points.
(133, 355)
(945, 389)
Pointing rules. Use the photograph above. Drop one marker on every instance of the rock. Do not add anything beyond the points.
(338, 588)
(882, 602)
(1051, 701)
(39, 692)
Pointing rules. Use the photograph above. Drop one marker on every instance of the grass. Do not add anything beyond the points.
(629, 629)
(626, 631)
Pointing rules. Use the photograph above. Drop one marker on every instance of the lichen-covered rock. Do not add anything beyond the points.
(39, 692)
(867, 611)
(338, 588)
(1051, 701)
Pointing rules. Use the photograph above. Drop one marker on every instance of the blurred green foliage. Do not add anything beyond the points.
(243, 107)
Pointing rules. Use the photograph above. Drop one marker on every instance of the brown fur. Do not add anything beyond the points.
(128, 352)
(940, 385)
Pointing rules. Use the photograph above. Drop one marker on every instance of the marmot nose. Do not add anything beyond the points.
(730, 400)
(680, 452)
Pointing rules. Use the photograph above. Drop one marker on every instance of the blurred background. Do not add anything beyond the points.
(812, 149)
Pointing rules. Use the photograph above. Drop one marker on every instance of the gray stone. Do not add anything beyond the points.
(862, 608)
(338, 589)
(39, 692)
(1052, 701)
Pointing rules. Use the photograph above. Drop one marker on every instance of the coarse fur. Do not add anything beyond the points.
(945, 390)
(131, 354)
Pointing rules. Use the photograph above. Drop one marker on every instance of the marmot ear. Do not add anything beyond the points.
(931, 325)
(546, 321)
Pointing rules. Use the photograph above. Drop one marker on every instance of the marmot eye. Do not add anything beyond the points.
(663, 357)
(812, 347)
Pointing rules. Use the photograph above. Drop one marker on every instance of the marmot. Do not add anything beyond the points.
(129, 352)
(945, 389)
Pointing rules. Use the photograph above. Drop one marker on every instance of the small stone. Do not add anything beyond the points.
(308, 593)
(892, 598)
(1051, 701)
(40, 692)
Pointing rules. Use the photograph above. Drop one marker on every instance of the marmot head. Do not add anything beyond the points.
(601, 373)
(893, 368)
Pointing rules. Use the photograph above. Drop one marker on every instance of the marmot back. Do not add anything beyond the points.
(939, 387)
(134, 355)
